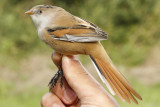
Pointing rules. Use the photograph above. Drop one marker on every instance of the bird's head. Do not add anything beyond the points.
(42, 14)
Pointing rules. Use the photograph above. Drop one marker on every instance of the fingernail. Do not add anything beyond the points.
(69, 95)
(56, 105)
(66, 59)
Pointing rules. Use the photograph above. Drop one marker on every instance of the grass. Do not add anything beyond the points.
(150, 95)
(10, 97)
(31, 97)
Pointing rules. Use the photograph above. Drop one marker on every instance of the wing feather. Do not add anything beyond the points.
(84, 32)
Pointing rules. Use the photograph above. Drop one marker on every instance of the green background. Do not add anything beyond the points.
(133, 27)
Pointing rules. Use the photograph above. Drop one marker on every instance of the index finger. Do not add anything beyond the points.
(85, 86)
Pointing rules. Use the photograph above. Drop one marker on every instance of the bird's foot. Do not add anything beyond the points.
(55, 78)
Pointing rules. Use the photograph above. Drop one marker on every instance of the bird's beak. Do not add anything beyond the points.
(29, 12)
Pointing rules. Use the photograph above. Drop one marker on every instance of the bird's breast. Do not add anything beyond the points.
(40, 33)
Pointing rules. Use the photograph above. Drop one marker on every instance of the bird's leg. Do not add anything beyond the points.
(53, 81)
(61, 75)
(55, 78)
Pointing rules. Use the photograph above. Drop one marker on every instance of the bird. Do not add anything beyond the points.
(68, 34)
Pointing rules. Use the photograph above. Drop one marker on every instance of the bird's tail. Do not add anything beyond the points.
(110, 75)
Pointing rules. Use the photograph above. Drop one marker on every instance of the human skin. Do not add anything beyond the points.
(79, 88)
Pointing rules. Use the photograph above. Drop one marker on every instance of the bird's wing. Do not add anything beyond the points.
(81, 32)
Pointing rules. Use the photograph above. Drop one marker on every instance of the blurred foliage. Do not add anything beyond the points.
(133, 26)
(31, 96)
(25, 98)
(149, 95)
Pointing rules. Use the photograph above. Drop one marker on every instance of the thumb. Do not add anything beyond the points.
(79, 80)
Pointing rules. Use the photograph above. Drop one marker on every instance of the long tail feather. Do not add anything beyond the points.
(102, 77)
(108, 81)
(116, 82)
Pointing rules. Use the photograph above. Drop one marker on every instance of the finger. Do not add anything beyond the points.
(84, 85)
(51, 100)
(56, 58)
(77, 77)
(64, 92)
(77, 103)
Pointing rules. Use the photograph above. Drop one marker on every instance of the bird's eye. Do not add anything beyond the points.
(40, 11)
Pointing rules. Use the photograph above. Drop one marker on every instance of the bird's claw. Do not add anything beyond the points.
(55, 78)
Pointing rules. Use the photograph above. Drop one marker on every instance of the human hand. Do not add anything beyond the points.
(79, 88)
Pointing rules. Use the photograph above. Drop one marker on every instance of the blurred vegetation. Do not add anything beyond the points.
(31, 97)
(133, 27)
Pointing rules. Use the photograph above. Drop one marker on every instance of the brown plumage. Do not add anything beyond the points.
(116, 80)
(70, 35)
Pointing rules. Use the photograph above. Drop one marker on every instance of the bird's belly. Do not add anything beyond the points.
(64, 47)
(68, 48)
